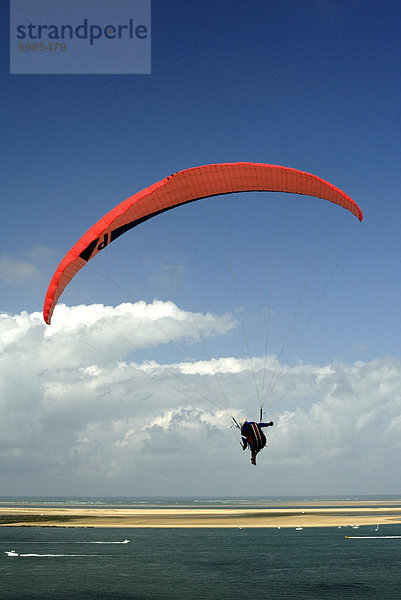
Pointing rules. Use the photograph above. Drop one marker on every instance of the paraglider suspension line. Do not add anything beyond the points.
(235, 422)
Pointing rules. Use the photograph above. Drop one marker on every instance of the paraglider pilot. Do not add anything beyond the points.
(253, 437)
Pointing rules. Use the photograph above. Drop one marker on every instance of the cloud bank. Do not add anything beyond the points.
(89, 407)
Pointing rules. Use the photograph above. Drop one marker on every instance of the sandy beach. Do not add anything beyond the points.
(287, 515)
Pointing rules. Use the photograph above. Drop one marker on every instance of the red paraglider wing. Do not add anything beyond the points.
(186, 186)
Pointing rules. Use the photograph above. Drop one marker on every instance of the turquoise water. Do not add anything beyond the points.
(200, 564)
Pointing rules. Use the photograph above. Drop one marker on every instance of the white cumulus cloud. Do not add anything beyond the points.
(81, 415)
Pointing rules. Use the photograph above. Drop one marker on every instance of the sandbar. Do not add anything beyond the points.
(344, 514)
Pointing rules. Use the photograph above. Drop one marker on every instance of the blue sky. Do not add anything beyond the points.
(313, 85)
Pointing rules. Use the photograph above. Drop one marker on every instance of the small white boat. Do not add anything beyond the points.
(12, 553)
(298, 528)
(125, 542)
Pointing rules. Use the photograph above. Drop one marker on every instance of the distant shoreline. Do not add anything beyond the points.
(291, 514)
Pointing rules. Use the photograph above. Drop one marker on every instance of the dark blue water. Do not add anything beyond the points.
(200, 564)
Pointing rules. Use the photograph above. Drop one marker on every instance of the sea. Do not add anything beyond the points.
(86, 563)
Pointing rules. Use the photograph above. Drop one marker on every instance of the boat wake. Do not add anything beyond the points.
(123, 542)
(54, 542)
(13, 553)
(372, 537)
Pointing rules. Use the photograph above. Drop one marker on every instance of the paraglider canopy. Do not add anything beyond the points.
(183, 187)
